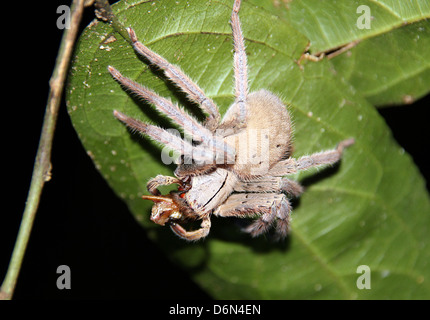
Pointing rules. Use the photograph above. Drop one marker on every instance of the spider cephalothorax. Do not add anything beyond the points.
(232, 167)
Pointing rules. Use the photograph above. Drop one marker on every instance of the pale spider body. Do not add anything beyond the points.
(232, 167)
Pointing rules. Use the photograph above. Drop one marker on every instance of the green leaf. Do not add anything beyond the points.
(371, 210)
(393, 68)
(390, 64)
(332, 24)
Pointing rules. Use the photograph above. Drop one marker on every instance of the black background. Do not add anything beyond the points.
(80, 221)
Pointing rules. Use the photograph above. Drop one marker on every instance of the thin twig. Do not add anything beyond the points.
(42, 165)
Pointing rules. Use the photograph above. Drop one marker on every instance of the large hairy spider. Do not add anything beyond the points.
(231, 167)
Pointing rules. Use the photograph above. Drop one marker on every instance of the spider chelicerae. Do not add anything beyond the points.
(234, 166)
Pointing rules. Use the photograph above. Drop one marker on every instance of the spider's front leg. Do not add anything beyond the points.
(174, 73)
(192, 235)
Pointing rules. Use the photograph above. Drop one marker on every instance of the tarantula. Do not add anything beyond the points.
(231, 167)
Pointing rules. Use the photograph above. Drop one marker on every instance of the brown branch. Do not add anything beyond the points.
(42, 165)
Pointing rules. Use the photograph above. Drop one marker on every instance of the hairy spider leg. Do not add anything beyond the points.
(291, 165)
(240, 64)
(170, 140)
(270, 184)
(191, 126)
(193, 91)
(161, 180)
(269, 207)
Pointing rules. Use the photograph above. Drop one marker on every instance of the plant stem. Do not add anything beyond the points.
(42, 165)
(104, 12)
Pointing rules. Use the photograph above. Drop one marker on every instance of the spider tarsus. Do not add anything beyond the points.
(115, 73)
(236, 6)
(291, 187)
(132, 35)
(120, 116)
